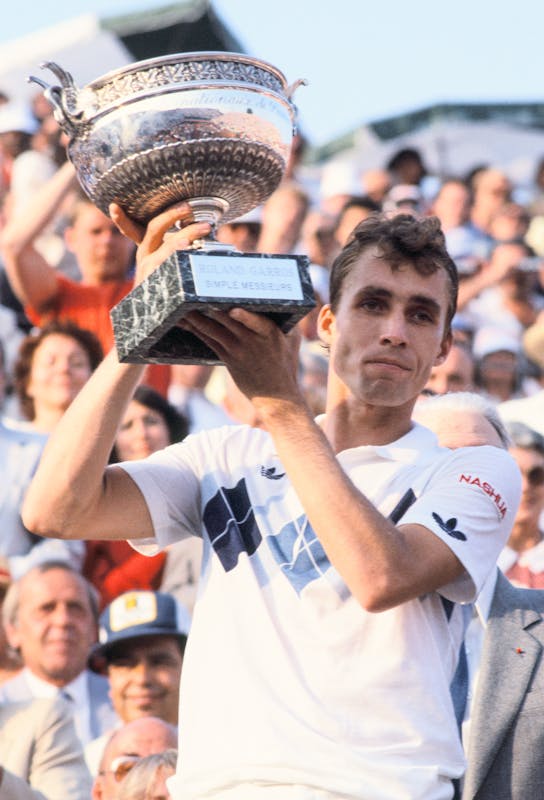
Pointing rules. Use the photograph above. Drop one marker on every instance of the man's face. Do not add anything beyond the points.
(102, 252)
(531, 464)
(134, 741)
(456, 374)
(144, 678)
(387, 332)
(55, 627)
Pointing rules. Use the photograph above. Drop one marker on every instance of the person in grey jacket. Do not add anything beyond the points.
(41, 757)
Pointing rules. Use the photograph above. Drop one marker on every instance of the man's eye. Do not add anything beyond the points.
(422, 316)
(371, 305)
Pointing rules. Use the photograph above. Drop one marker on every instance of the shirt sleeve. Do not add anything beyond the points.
(170, 483)
(470, 503)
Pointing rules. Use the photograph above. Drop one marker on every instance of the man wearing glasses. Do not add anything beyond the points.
(128, 745)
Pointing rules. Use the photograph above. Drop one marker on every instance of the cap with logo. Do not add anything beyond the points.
(138, 614)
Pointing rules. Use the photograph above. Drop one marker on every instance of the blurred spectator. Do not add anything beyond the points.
(150, 423)
(452, 204)
(492, 190)
(142, 641)
(50, 618)
(10, 663)
(282, 217)
(504, 292)
(242, 233)
(313, 374)
(530, 410)
(355, 210)
(406, 167)
(455, 374)
(113, 567)
(125, 748)
(317, 240)
(17, 126)
(510, 223)
(404, 199)
(147, 779)
(376, 183)
(103, 254)
(20, 451)
(41, 757)
(499, 367)
(340, 180)
(54, 363)
(522, 560)
(187, 393)
(462, 419)
(104, 257)
(466, 244)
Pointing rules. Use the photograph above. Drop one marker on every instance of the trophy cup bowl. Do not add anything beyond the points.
(210, 128)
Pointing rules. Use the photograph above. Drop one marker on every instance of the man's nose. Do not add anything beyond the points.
(394, 329)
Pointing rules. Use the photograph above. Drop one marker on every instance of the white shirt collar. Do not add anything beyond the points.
(77, 689)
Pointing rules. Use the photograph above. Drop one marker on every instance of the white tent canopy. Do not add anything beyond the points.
(79, 45)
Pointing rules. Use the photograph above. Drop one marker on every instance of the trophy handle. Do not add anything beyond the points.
(62, 98)
(289, 92)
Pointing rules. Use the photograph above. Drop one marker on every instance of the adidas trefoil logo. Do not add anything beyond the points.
(449, 527)
(270, 473)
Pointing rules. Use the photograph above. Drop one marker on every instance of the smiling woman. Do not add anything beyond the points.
(52, 366)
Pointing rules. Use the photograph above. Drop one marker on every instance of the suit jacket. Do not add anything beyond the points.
(40, 753)
(506, 745)
(102, 715)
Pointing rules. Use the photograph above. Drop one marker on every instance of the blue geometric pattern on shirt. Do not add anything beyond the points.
(299, 553)
(230, 522)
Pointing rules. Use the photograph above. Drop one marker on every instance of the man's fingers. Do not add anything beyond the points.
(127, 226)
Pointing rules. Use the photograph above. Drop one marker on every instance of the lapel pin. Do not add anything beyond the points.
(520, 651)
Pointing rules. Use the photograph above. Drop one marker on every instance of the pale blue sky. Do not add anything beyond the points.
(363, 60)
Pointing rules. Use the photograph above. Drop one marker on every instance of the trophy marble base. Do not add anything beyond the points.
(145, 321)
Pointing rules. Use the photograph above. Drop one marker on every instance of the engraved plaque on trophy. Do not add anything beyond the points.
(212, 129)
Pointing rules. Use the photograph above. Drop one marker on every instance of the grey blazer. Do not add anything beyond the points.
(102, 715)
(40, 753)
(506, 747)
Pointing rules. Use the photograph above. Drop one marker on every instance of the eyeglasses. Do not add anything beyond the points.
(121, 766)
(534, 476)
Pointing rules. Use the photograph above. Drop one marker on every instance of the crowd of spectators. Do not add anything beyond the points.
(71, 705)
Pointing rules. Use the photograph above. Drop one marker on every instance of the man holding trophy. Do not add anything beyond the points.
(337, 550)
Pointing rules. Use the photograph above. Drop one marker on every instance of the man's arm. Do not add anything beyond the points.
(33, 280)
(74, 495)
(382, 565)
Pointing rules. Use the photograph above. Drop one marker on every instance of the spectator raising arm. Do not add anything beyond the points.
(32, 278)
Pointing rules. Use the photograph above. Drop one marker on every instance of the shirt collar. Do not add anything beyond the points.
(77, 689)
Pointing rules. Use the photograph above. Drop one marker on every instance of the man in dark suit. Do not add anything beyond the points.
(50, 618)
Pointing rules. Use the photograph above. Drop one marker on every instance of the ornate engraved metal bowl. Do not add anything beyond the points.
(211, 128)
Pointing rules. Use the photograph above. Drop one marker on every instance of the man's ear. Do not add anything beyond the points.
(445, 348)
(12, 635)
(325, 324)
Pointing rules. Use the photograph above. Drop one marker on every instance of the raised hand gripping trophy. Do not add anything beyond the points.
(215, 130)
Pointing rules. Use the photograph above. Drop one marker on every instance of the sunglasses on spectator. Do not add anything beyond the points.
(535, 476)
(121, 766)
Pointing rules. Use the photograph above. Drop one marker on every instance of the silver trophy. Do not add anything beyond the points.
(215, 130)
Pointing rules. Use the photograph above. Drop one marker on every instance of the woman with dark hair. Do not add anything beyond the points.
(52, 366)
(150, 424)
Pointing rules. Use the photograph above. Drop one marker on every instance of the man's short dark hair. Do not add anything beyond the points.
(401, 239)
